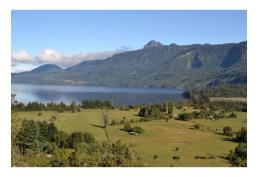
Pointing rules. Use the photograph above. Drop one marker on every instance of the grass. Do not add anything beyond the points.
(161, 138)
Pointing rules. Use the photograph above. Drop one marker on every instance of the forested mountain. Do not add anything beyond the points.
(155, 65)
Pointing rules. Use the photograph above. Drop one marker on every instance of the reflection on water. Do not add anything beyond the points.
(119, 96)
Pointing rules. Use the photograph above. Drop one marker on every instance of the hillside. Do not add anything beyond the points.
(155, 65)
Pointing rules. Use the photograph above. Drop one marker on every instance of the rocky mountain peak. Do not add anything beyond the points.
(152, 44)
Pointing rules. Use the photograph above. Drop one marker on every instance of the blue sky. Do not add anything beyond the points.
(74, 33)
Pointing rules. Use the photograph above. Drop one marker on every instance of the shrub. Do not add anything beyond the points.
(175, 157)
(197, 157)
(232, 115)
(113, 122)
(155, 156)
(39, 114)
(203, 157)
(53, 118)
(137, 129)
(127, 126)
(122, 121)
(132, 121)
(227, 131)
(79, 137)
(177, 148)
(211, 157)
(197, 126)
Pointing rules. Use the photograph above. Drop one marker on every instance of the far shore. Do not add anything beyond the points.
(241, 99)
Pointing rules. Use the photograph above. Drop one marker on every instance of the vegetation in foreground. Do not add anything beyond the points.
(185, 134)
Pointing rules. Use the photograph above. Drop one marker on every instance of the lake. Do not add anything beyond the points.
(119, 96)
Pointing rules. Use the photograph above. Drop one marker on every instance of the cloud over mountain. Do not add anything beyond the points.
(22, 58)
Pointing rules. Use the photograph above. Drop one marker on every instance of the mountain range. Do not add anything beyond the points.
(155, 65)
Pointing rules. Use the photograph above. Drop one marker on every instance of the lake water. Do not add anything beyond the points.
(119, 96)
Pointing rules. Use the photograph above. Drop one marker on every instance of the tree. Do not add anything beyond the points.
(73, 107)
(28, 136)
(242, 135)
(86, 155)
(61, 139)
(238, 157)
(227, 131)
(170, 109)
(52, 131)
(35, 135)
(118, 154)
(106, 123)
(165, 107)
(75, 138)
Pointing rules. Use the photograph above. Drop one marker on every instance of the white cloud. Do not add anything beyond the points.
(50, 56)
(17, 68)
(22, 56)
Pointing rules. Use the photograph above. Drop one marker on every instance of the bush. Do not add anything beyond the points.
(39, 114)
(211, 157)
(175, 157)
(203, 157)
(137, 129)
(127, 126)
(132, 121)
(155, 156)
(197, 157)
(232, 115)
(53, 118)
(185, 116)
(79, 137)
(227, 131)
(113, 122)
(197, 126)
(122, 122)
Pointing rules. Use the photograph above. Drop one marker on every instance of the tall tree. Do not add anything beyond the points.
(106, 123)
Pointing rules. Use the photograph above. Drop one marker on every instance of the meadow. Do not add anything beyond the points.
(161, 141)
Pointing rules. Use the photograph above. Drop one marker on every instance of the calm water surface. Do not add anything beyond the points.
(119, 96)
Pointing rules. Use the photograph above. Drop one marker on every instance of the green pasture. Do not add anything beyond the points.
(161, 138)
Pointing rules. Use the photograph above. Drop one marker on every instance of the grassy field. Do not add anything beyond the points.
(161, 138)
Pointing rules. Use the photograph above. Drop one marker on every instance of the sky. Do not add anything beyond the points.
(67, 38)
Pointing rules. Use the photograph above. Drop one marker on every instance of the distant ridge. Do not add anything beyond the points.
(155, 65)
(46, 68)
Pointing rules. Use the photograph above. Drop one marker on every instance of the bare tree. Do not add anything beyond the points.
(106, 123)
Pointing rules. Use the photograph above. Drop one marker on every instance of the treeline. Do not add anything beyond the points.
(203, 95)
(209, 110)
(228, 91)
(42, 144)
(62, 107)
(36, 106)
(93, 104)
